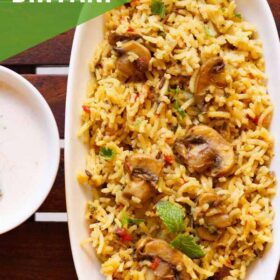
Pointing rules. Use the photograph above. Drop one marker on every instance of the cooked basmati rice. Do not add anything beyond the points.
(139, 118)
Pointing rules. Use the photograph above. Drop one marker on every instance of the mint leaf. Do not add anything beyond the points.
(186, 244)
(125, 220)
(158, 8)
(107, 153)
(172, 215)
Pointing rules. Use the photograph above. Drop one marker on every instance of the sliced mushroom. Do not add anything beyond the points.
(161, 249)
(219, 220)
(221, 273)
(136, 69)
(136, 48)
(205, 159)
(163, 271)
(149, 275)
(139, 189)
(211, 198)
(126, 68)
(211, 72)
(144, 167)
(205, 234)
(205, 150)
(115, 37)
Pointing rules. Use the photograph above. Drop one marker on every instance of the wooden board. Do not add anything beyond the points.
(36, 251)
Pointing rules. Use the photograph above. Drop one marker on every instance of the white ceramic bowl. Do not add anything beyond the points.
(29, 149)
(86, 40)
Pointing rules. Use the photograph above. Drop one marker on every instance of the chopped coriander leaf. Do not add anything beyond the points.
(178, 108)
(107, 153)
(238, 15)
(186, 244)
(158, 8)
(135, 221)
(176, 90)
(172, 215)
(176, 103)
(125, 220)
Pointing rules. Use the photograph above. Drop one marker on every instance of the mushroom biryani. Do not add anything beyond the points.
(176, 124)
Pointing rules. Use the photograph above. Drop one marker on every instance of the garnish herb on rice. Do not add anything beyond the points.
(178, 108)
(187, 245)
(176, 90)
(238, 15)
(158, 8)
(106, 153)
(176, 103)
(126, 221)
(172, 215)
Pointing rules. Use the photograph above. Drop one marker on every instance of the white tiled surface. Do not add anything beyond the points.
(49, 70)
(55, 216)
(50, 217)
(61, 143)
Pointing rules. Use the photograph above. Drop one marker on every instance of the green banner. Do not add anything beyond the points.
(24, 24)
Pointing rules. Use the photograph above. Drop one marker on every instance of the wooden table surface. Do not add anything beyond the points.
(41, 250)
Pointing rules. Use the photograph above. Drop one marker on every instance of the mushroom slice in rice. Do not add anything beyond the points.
(144, 167)
(204, 234)
(139, 189)
(211, 198)
(136, 69)
(159, 248)
(222, 272)
(126, 69)
(205, 150)
(211, 72)
(163, 271)
(136, 48)
(115, 37)
(218, 220)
